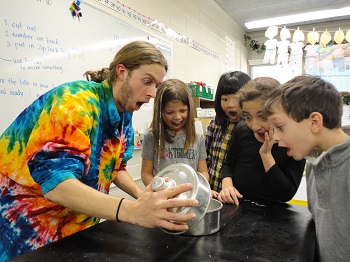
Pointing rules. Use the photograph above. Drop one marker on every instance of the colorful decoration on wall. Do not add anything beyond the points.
(325, 38)
(324, 55)
(271, 45)
(283, 46)
(298, 36)
(313, 37)
(75, 9)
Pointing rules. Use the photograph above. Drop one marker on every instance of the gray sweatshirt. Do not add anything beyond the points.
(328, 192)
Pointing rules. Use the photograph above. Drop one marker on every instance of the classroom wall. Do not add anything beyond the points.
(200, 20)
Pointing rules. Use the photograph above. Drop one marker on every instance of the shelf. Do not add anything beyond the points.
(200, 102)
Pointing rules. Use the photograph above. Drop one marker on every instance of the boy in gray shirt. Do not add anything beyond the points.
(306, 115)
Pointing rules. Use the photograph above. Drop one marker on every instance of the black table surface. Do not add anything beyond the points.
(252, 231)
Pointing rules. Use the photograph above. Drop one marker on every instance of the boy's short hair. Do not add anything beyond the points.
(302, 95)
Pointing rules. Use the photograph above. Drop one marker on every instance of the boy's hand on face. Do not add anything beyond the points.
(268, 143)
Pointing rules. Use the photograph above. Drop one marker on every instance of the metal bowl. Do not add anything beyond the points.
(177, 174)
(210, 223)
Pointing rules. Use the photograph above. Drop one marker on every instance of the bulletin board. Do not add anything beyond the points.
(42, 46)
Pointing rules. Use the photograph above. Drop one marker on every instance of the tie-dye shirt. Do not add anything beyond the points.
(70, 132)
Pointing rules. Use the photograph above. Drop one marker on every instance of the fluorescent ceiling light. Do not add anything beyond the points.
(290, 19)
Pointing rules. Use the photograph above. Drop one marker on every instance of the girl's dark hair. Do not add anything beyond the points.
(229, 83)
(132, 56)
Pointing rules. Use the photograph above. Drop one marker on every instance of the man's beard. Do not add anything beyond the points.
(125, 94)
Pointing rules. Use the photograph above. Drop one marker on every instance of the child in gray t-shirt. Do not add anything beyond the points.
(172, 137)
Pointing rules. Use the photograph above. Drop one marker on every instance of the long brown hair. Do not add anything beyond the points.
(172, 90)
(132, 56)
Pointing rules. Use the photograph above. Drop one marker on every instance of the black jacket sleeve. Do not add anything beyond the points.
(283, 179)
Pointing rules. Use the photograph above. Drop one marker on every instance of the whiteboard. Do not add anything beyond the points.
(42, 46)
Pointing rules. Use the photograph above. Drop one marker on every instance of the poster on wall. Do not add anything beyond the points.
(332, 60)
